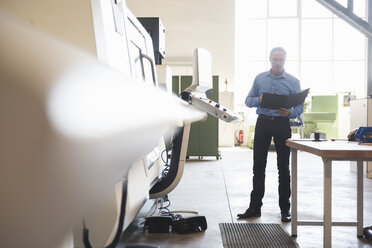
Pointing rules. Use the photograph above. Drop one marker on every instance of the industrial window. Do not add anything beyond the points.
(323, 51)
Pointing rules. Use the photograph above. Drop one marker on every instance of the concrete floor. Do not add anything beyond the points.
(220, 190)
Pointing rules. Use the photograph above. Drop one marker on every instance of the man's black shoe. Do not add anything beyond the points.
(250, 213)
(286, 216)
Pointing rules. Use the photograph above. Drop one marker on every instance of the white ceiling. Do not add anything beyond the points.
(195, 23)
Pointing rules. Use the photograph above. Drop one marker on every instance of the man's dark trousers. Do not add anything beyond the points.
(280, 130)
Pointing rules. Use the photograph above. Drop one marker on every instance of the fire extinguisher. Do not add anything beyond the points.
(240, 137)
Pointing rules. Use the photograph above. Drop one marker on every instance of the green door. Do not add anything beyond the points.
(203, 140)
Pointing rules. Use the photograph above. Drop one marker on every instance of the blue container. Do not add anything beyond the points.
(364, 135)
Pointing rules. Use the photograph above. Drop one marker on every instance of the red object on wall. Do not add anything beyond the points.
(241, 136)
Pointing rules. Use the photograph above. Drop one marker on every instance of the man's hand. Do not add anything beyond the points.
(260, 98)
(283, 112)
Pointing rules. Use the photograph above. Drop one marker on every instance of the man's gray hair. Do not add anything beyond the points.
(281, 49)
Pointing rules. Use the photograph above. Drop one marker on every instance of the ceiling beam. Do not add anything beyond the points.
(348, 16)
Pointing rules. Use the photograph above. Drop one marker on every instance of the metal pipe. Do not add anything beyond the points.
(369, 51)
(350, 5)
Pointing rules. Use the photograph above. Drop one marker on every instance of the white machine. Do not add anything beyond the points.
(116, 30)
(134, 195)
(72, 128)
(82, 141)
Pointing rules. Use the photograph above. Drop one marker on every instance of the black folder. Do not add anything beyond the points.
(274, 101)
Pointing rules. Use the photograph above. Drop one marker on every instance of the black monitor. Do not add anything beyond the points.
(156, 30)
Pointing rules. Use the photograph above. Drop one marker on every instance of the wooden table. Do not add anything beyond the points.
(330, 151)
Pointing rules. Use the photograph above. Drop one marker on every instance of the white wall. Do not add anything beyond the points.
(67, 20)
(194, 23)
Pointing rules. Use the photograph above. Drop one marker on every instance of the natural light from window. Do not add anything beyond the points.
(323, 51)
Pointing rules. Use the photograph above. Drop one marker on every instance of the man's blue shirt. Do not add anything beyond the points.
(284, 84)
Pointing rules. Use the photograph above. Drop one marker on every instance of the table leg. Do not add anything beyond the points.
(302, 132)
(294, 192)
(360, 198)
(327, 231)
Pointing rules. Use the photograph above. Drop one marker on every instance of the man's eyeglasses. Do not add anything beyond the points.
(277, 60)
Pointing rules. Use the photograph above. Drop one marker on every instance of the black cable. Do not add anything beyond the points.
(165, 211)
(119, 230)
(86, 236)
(166, 169)
(161, 155)
(164, 183)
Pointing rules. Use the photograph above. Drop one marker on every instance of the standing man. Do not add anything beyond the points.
(272, 124)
